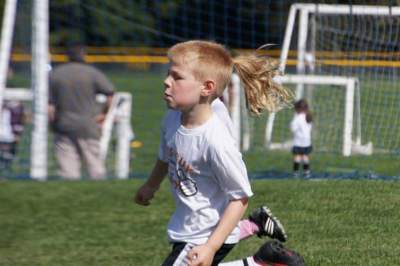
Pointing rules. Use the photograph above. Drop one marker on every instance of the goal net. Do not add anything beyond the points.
(335, 129)
(360, 42)
(128, 41)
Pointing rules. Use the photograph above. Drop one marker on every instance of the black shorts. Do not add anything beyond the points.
(296, 150)
(177, 257)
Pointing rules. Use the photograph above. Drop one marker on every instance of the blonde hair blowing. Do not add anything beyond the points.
(262, 92)
(211, 60)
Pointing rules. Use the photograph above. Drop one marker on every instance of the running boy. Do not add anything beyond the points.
(207, 174)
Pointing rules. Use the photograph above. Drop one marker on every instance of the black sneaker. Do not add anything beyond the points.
(274, 253)
(268, 224)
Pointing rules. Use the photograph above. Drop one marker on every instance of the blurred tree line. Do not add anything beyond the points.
(160, 23)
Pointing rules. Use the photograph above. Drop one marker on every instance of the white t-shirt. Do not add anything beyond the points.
(222, 112)
(206, 171)
(220, 109)
(301, 130)
(6, 132)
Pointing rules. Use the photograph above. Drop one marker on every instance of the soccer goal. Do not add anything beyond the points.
(345, 123)
(28, 49)
(337, 130)
(344, 42)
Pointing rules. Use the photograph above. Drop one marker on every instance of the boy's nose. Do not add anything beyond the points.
(167, 82)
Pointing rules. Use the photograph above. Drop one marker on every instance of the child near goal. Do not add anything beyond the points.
(301, 126)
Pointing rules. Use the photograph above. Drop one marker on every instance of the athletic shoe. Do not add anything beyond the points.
(307, 174)
(267, 223)
(273, 253)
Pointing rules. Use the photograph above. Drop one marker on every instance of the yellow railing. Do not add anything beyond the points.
(146, 55)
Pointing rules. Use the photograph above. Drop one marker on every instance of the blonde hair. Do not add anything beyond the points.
(211, 60)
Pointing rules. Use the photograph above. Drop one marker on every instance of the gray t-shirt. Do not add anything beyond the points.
(73, 89)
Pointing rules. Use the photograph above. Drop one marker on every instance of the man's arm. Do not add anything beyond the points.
(102, 116)
(204, 254)
(108, 103)
(147, 190)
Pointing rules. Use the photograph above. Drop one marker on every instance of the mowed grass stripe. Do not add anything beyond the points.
(331, 222)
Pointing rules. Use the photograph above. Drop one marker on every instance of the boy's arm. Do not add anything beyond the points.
(147, 190)
(204, 254)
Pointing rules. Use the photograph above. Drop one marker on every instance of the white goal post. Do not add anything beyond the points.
(5, 43)
(336, 42)
(351, 120)
(117, 122)
(344, 41)
(304, 12)
(39, 83)
(40, 59)
(119, 115)
(352, 109)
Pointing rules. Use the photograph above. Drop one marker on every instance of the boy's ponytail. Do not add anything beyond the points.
(262, 92)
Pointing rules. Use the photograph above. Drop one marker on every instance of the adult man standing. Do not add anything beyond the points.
(75, 117)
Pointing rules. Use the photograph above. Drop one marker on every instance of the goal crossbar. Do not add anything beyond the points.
(306, 9)
(348, 9)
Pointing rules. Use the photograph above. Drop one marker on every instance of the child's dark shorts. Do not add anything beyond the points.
(180, 250)
(296, 150)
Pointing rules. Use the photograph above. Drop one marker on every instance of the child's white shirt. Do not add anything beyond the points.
(215, 174)
(6, 131)
(301, 130)
(221, 111)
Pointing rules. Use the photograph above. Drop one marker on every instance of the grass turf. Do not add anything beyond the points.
(330, 222)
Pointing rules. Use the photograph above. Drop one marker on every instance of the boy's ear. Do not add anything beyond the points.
(209, 88)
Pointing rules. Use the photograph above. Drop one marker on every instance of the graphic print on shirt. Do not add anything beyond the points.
(179, 174)
(187, 185)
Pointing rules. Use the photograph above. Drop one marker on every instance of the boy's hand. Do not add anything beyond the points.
(145, 194)
(202, 255)
(147, 190)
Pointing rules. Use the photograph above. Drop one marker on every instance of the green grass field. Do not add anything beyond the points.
(330, 222)
(347, 222)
